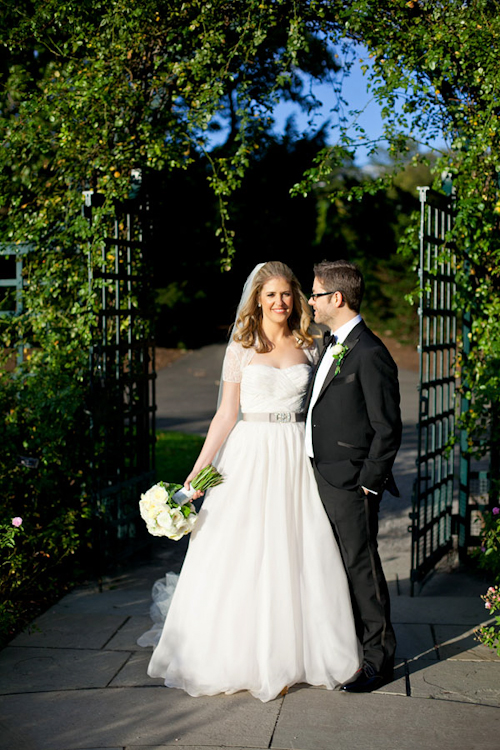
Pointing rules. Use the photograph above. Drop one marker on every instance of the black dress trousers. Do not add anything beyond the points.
(354, 519)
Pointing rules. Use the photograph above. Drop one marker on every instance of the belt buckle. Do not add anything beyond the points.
(283, 416)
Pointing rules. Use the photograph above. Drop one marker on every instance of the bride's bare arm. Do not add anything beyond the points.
(220, 427)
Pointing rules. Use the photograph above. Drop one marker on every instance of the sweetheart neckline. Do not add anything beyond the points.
(271, 367)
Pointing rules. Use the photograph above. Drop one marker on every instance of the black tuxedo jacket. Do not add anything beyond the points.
(356, 420)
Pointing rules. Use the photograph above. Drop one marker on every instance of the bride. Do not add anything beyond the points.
(262, 601)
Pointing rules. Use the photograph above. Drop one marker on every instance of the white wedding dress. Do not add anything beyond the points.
(262, 601)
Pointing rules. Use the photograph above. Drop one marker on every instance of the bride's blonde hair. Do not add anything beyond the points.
(248, 328)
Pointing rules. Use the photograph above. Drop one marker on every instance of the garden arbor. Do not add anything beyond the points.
(92, 90)
(119, 386)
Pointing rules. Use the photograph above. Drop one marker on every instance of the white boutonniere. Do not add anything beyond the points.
(338, 353)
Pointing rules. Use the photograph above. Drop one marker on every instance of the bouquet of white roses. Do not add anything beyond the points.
(166, 508)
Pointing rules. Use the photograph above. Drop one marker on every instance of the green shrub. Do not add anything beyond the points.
(490, 634)
(488, 555)
(43, 474)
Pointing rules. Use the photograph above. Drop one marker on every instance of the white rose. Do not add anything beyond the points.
(177, 515)
(155, 530)
(164, 520)
(337, 350)
(178, 520)
(152, 502)
(171, 523)
(144, 508)
(149, 509)
(182, 524)
(157, 493)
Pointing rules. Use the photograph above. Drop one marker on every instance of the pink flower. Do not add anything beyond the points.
(488, 605)
(17, 521)
(491, 590)
(495, 511)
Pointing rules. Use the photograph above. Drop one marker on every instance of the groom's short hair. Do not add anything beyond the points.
(342, 276)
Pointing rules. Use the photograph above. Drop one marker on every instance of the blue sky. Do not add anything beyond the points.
(354, 91)
(357, 98)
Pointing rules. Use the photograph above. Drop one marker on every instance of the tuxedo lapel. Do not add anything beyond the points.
(350, 343)
(311, 382)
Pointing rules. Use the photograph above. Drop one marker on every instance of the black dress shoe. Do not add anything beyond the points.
(366, 680)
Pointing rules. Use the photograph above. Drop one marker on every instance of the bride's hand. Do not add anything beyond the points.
(187, 485)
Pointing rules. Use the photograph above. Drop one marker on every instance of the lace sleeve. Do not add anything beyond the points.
(231, 369)
(312, 353)
(235, 360)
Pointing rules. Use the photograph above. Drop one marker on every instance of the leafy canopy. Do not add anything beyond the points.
(93, 89)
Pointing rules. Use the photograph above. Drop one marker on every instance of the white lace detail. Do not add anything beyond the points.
(312, 353)
(235, 360)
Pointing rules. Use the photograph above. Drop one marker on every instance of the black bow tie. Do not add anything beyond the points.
(328, 338)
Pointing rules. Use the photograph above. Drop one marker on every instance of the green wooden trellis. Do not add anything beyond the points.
(122, 380)
(432, 509)
(441, 510)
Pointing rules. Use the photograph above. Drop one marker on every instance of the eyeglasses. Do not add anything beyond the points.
(315, 295)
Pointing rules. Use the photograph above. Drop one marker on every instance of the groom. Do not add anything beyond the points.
(353, 432)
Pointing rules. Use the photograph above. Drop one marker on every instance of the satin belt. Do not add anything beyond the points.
(283, 417)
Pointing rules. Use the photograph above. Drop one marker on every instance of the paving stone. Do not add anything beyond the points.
(89, 601)
(456, 643)
(445, 610)
(57, 629)
(14, 736)
(469, 682)
(448, 579)
(398, 686)
(374, 721)
(126, 638)
(134, 672)
(414, 641)
(135, 717)
(397, 586)
(40, 669)
(167, 554)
